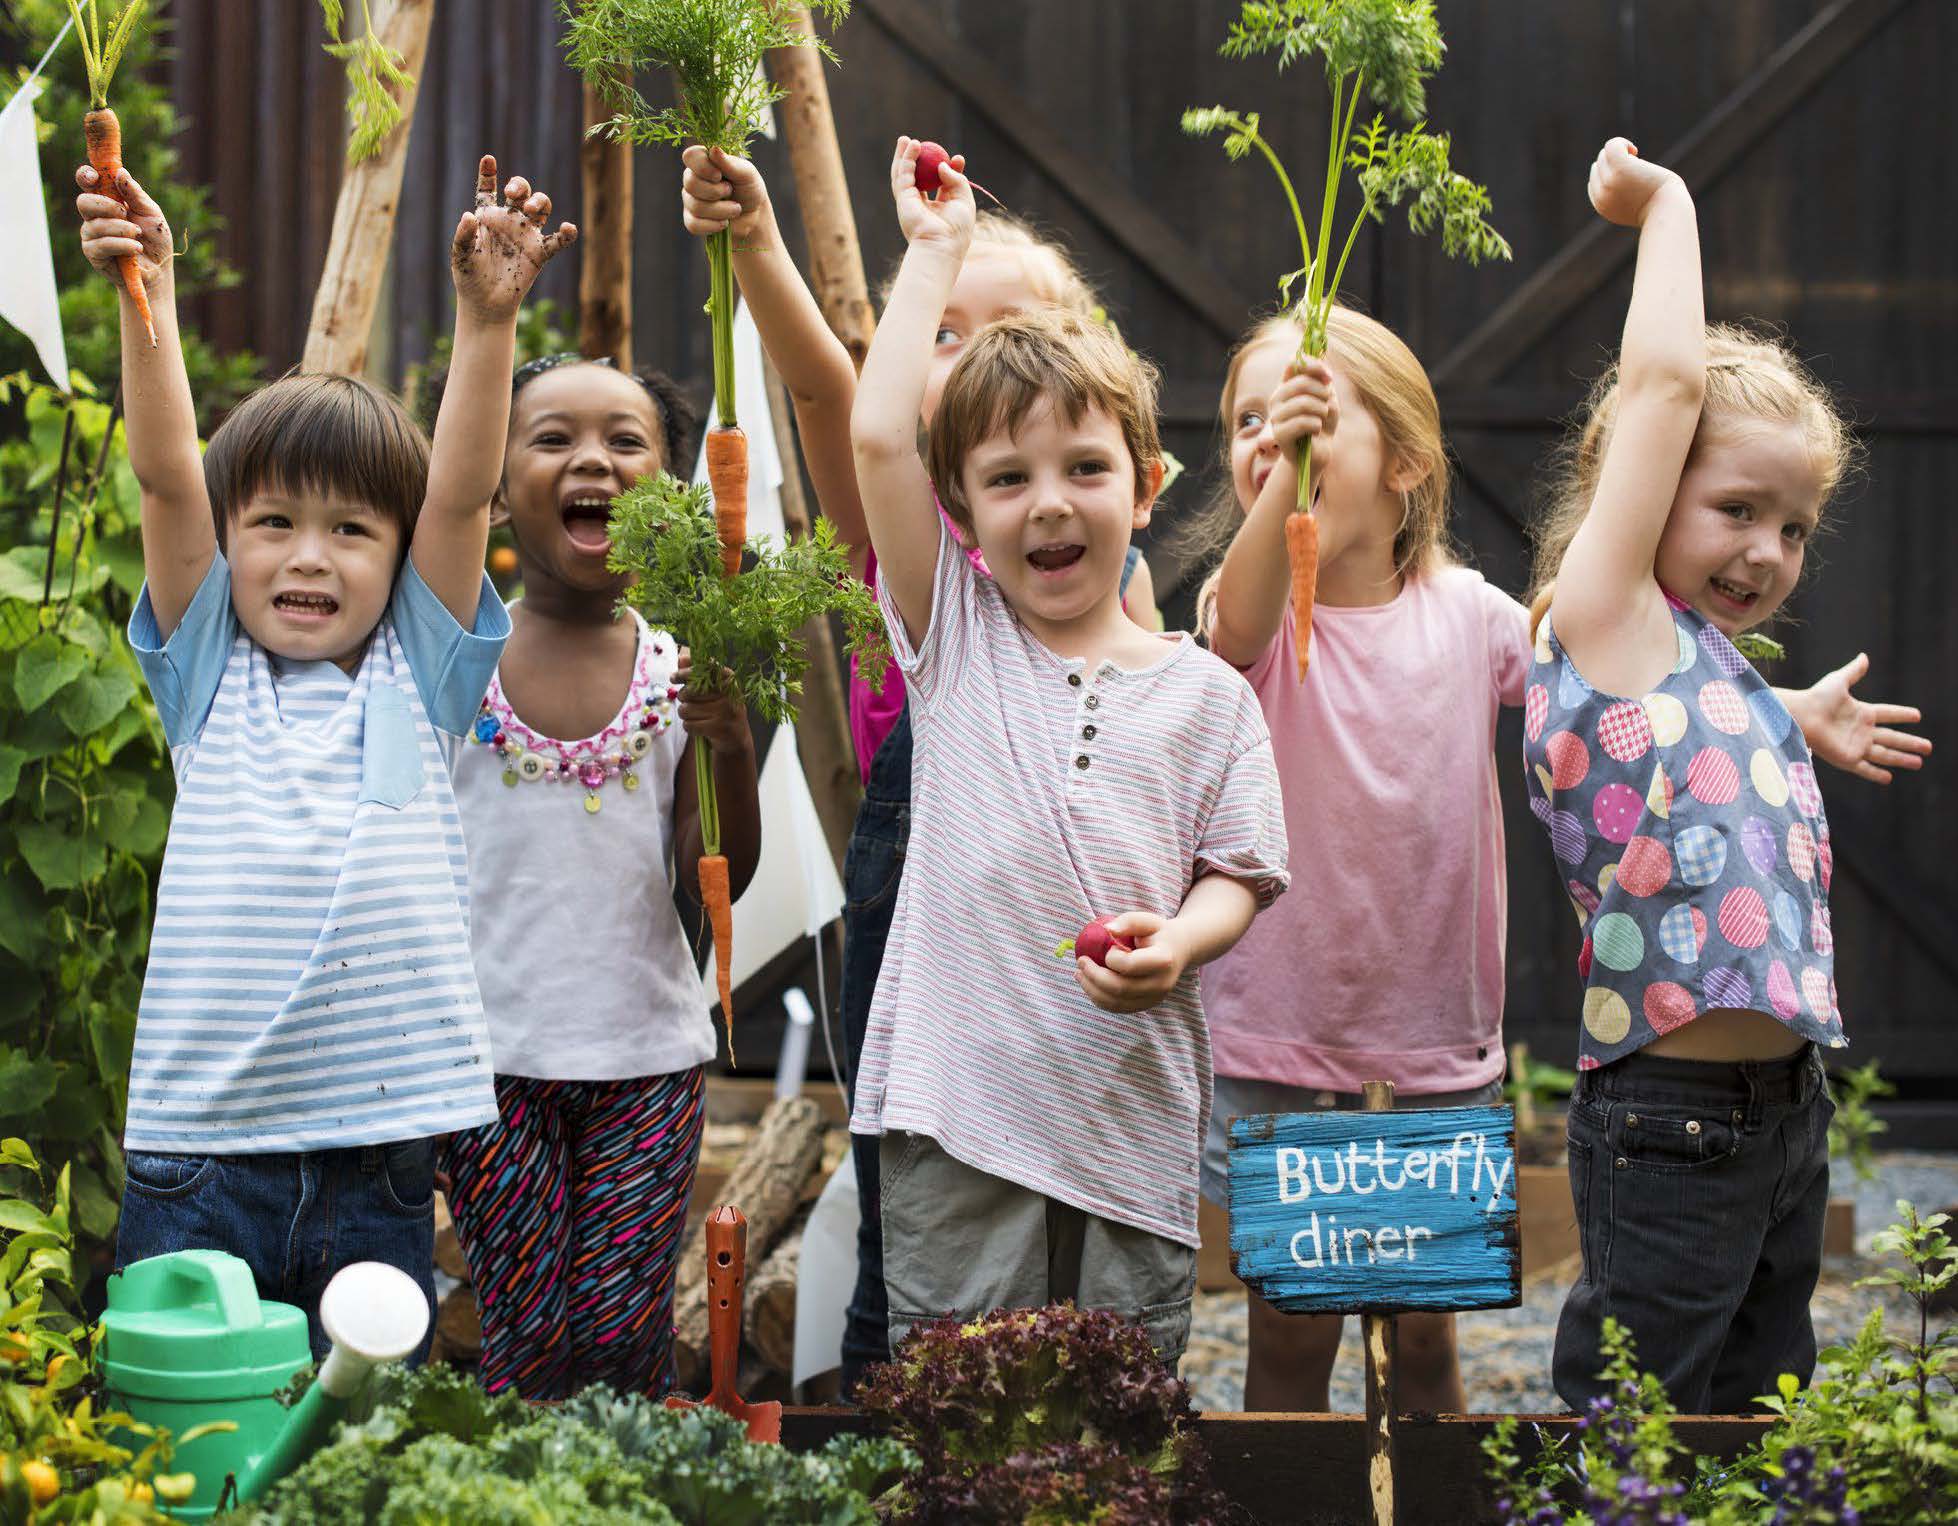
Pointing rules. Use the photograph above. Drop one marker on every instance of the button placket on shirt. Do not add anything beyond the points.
(1087, 727)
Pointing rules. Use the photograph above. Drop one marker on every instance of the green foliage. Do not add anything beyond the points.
(106, 1464)
(1853, 1131)
(85, 790)
(90, 314)
(1385, 49)
(431, 1446)
(1873, 1439)
(743, 631)
(374, 73)
(102, 50)
(1042, 1416)
(714, 50)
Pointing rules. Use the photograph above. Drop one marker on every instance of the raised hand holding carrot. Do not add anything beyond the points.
(101, 52)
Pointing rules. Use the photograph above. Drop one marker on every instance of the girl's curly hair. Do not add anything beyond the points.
(679, 418)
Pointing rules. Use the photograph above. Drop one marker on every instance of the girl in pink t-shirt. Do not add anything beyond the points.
(1386, 960)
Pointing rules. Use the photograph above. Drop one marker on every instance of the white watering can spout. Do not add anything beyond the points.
(373, 1313)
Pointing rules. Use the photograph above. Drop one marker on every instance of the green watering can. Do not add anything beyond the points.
(186, 1340)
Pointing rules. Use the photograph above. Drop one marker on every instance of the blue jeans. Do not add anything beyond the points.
(1700, 1191)
(871, 870)
(295, 1218)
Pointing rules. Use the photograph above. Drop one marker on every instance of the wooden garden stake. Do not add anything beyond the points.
(605, 270)
(835, 257)
(363, 218)
(1379, 1331)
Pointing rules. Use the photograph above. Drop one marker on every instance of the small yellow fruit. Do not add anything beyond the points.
(503, 561)
(42, 1481)
(13, 1349)
(141, 1491)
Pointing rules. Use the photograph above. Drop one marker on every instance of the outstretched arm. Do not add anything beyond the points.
(1607, 605)
(896, 492)
(722, 193)
(1858, 736)
(179, 538)
(495, 256)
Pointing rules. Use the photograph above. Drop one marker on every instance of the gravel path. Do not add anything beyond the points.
(1506, 1352)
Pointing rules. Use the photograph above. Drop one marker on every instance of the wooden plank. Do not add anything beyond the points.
(1702, 156)
(1125, 217)
(1303, 1470)
(743, 1099)
(605, 266)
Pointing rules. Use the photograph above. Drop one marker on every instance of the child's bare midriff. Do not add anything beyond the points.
(1728, 1034)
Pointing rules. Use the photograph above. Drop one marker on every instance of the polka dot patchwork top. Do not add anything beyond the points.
(1688, 829)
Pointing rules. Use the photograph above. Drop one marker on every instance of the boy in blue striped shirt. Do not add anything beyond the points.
(317, 631)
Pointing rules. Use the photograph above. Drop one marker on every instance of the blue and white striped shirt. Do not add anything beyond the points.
(309, 983)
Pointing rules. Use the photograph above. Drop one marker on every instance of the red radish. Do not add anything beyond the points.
(1094, 941)
(930, 157)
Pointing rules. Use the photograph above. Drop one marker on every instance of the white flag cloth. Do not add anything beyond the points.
(28, 299)
(795, 892)
(826, 1276)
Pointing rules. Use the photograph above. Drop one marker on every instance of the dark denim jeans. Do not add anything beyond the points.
(294, 1219)
(1700, 1192)
(871, 870)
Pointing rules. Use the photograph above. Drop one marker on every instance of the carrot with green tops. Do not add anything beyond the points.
(101, 52)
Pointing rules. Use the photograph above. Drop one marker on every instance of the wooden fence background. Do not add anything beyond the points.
(1816, 136)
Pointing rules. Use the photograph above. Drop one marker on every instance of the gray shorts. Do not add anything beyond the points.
(1240, 1097)
(960, 1241)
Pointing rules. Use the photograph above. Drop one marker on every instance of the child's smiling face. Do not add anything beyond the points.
(1349, 466)
(1053, 504)
(995, 281)
(1747, 503)
(579, 436)
(311, 573)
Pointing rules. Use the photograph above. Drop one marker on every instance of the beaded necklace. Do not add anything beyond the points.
(533, 758)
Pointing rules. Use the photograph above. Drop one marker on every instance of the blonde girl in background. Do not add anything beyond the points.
(1386, 960)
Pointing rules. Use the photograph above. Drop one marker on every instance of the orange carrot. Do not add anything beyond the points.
(727, 475)
(1302, 546)
(104, 135)
(720, 916)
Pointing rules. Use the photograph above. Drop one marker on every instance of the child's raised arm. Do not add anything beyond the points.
(496, 255)
(1607, 600)
(897, 496)
(722, 193)
(179, 538)
(1254, 587)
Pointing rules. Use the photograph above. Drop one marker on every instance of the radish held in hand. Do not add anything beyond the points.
(1094, 941)
(931, 157)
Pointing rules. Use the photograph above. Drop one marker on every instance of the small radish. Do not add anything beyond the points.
(1093, 942)
(930, 157)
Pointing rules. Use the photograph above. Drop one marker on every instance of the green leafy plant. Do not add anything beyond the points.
(742, 632)
(1873, 1439)
(431, 1446)
(63, 1458)
(85, 787)
(1041, 1416)
(1853, 1131)
(374, 73)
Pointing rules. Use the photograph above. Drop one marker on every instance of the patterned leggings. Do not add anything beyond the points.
(570, 1209)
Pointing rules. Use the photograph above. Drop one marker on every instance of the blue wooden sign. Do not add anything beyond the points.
(1350, 1213)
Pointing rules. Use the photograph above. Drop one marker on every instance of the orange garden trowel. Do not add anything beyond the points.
(727, 1269)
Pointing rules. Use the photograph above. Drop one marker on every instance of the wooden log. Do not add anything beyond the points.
(605, 242)
(822, 733)
(766, 1185)
(1381, 1398)
(363, 218)
(769, 1319)
(835, 257)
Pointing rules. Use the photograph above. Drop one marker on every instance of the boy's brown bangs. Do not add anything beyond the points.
(335, 436)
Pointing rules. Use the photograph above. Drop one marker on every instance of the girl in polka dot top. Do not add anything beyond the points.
(1680, 797)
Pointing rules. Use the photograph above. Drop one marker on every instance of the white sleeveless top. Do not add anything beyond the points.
(584, 966)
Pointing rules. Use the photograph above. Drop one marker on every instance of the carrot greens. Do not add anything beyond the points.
(374, 73)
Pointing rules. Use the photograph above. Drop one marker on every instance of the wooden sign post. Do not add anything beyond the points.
(1377, 1213)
